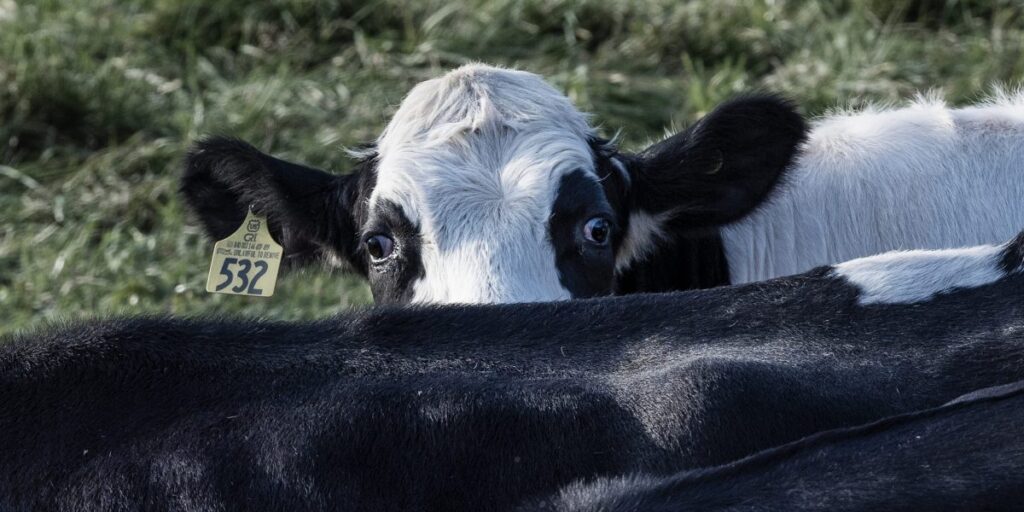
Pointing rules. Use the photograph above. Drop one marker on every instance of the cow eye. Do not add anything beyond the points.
(597, 230)
(379, 247)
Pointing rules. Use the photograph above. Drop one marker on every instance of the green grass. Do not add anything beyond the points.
(99, 99)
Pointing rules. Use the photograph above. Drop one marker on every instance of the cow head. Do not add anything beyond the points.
(488, 186)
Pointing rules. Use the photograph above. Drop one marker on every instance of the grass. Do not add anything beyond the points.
(100, 98)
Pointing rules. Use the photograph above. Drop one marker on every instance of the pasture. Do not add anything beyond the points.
(100, 98)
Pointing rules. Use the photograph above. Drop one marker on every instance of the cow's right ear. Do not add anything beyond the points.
(721, 168)
(311, 213)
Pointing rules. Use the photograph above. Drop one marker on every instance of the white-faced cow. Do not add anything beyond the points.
(489, 186)
(966, 455)
(481, 407)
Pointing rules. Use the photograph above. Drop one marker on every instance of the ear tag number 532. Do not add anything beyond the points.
(247, 261)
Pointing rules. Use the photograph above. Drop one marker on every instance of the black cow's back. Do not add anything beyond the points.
(472, 408)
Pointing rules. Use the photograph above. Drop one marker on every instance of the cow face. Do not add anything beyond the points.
(489, 186)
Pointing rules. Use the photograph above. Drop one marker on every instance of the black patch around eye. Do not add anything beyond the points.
(391, 282)
(345, 233)
(585, 269)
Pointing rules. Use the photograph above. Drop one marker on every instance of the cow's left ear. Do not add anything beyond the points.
(721, 168)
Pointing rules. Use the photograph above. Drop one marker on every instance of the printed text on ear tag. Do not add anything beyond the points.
(247, 261)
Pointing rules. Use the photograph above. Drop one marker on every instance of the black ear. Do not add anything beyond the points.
(722, 167)
(311, 213)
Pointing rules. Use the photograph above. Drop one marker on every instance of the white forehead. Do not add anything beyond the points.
(475, 158)
(480, 136)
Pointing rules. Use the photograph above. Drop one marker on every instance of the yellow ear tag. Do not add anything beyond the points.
(247, 261)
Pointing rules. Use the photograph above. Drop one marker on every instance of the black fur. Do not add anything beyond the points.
(311, 213)
(688, 260)
(392, 281)
(715, 172)
(721, 168)
(586, 269)
(967, 455)
(473, 407)
(684, 262)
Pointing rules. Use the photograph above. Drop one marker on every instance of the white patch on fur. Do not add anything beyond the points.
(922, 177)
(475, 158)
(987, 393)
(623, 171)
(903, 277)
(642, 237)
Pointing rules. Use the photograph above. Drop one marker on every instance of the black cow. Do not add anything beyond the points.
(483, 407)
(967, 455)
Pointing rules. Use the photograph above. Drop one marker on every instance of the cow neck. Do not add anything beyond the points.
(681, 263)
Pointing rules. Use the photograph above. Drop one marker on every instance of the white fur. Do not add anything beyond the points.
(921, 177)
(645, 232)
(903, 277)
(475, 158)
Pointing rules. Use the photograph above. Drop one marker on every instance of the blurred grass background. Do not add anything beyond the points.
(99, 99)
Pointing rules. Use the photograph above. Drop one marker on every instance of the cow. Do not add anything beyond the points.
(489, 186)
(483, 407)
(966, 455)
